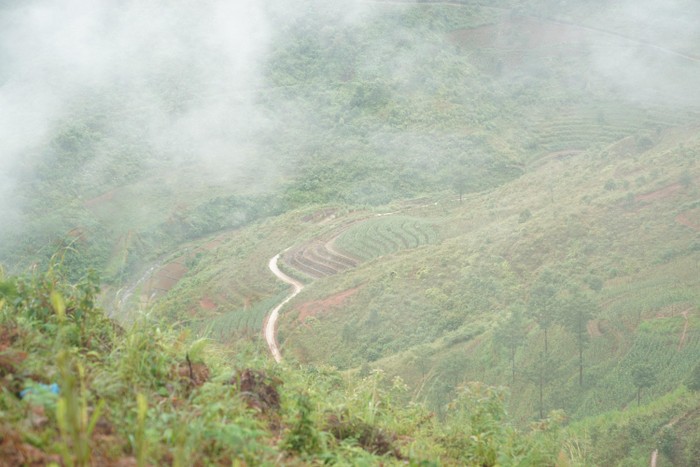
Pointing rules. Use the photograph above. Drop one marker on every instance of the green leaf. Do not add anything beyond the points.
(58, 304)
(95, 416)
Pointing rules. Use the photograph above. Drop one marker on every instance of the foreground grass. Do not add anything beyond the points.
(76, 389)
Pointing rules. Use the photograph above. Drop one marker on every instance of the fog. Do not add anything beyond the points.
(648, 50)
(178, 74)
(180, 80)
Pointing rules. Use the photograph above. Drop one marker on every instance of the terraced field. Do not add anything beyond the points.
(319, 259)
(381, 236)
(670, 345)
(583, 128)
(350, 245)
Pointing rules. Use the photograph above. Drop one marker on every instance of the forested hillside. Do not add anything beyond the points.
(493, 209)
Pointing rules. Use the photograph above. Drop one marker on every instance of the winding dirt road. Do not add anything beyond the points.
(271, 323)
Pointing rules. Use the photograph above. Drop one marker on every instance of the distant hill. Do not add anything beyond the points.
(503, 192)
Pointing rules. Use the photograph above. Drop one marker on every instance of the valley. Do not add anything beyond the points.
(424, 218)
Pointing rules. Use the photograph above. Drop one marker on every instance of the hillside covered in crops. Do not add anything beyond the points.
(477, 223)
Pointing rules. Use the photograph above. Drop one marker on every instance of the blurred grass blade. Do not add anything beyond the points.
(58, 304)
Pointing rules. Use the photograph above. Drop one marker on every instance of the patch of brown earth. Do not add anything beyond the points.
(317, 307)
(207, 303)
(14, 451)
(320, 215)
(214, 243)
(211, 245)
(690, 219)
(593, 328)
(78, 234)
(192, 374)
(8, 336)
(474, 343)
(561, 155)
(167, 276)
(371, 438)
(606, 327)
(258, 389)
(10, 360)
(555, 156)
(520, 33)
(103, 198)
(663, 193)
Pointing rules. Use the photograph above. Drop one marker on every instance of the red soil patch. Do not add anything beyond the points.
(473, 343)
(14, 451)
(207, 303)
(559, 155)
(191, 374)
(166, 277)
(593, 328)
(78, 233)
(8, 336)
(519, 33)
(690, 219)
(213, 243)
(605, 327)
(320, 215)
(663, 193)
(169, 275)
(321, 306)
(10, 359)
(103, 198)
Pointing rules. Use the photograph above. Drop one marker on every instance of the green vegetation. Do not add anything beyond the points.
(152, 395)
(497, 230)
(378, 237)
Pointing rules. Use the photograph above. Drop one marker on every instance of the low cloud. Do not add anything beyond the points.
(179, 72)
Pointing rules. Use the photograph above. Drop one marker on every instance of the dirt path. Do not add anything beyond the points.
(682, 219)
(271, 322)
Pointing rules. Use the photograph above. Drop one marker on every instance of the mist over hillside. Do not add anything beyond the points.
(87, 84)
(213, 89)
(503, 192)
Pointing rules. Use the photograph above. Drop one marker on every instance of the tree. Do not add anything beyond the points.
(577, 309)
(460, 182)
(541, 373)
(543, 304)
(511, 335)
(420, 358)
(643, 376)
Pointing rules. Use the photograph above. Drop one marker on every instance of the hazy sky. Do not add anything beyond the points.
(174, 67)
